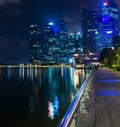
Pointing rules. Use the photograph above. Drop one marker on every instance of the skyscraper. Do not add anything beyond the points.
(107, 26)
(89, 25)
(43, 47)
(63, 42)
(78, 43)
(71, 47)
(35, 39)
(50, 46)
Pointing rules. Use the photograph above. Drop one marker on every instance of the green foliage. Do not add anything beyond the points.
(106, 56)
(117, 55)
(111, 58)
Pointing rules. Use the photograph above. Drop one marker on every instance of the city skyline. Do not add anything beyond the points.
(17, 15)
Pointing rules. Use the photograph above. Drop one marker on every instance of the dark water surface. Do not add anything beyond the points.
(37, 97)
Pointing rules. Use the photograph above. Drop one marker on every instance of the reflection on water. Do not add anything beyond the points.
(76, 78)
(53, 108)
(9, 73)
(40, 95)
(21, 72)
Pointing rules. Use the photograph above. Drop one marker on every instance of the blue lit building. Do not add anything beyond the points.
(63, 41)
(56, 42)
(50, 48)
(78, 43)
(71, 47)
(107, 26)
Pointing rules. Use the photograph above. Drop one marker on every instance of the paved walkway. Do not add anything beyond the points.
(107, 98)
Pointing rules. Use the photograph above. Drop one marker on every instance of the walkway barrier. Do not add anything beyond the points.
(73, 114)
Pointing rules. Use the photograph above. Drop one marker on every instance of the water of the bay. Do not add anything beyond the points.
(37, 97)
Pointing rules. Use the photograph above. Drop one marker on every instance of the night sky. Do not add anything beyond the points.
(17, 15)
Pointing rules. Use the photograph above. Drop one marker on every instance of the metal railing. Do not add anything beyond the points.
(78, 107)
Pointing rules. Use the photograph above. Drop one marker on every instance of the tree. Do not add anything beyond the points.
(107, 56)
(117, 55)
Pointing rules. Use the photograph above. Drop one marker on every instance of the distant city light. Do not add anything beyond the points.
(50, 110)
(78, 33)
(76, 55)
(113, 48)
(34, 25)
(95, 58)
(51, 23)
(96, 32)
(31, 25)
(109, 32)
(90, 53)
(105, 4)
(71, 60)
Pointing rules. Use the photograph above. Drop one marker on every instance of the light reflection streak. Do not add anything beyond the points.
(50, 110)
(77, 82)
(0, 72)
(36, 72)
(65, 72)
(9, 71)
(53, 108)
(31, 74)
(56, 106)
(28, 72)
(34, 97)
(36, 91)
(62, 71)
(40, 77)
(50, 75)
(72, 71)
(23, 72)
(20, 72)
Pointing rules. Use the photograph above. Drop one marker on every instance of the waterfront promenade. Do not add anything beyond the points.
(104, 104)
(107, 98)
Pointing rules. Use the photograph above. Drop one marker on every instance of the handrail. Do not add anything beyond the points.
(67, 119)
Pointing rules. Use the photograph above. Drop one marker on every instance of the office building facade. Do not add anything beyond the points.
(89, 26)
(35, 46)
(107, 26)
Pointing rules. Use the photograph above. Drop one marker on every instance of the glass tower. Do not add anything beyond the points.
(35, 51)
(89, 25)
(107, 26)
